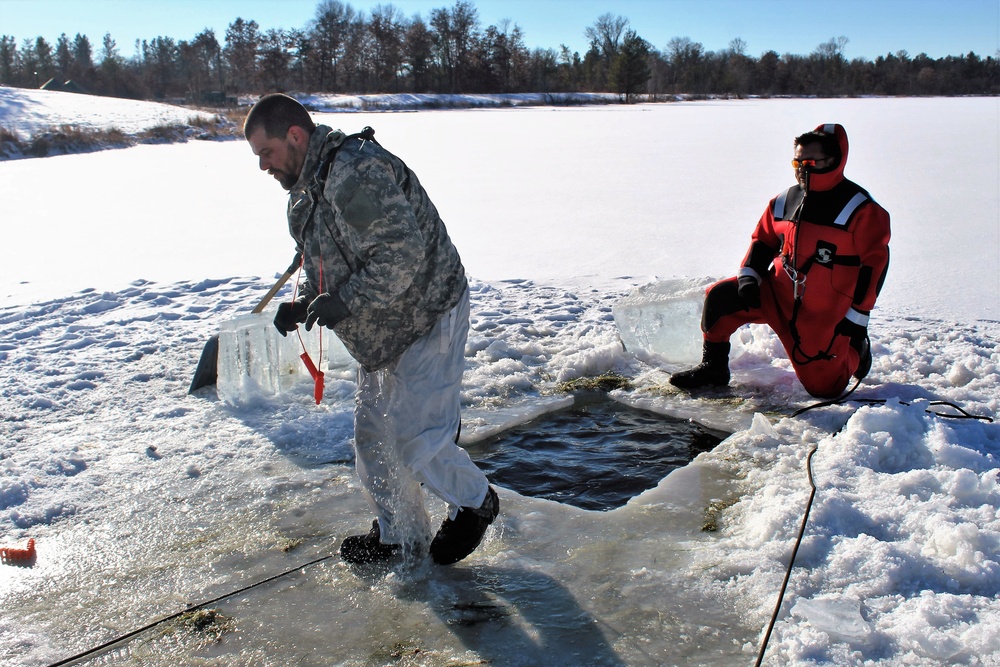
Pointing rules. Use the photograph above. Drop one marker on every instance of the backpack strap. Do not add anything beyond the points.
(323, 168)
(318, 182)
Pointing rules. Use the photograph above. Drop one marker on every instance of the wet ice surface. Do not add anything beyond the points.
(146, 501)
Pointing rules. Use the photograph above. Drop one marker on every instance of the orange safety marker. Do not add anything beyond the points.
(319, 380)
(11, 554)
(317, 375)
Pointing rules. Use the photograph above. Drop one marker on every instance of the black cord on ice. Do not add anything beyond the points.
(963, 414)
(148, 626)
(823, 404)
(791, 561)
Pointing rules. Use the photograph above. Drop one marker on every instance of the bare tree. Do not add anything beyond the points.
(387, 31)
(329, 31)
(444, 47)
(357, 58)
(418, 53)
(456, 33)
(833, 49)
(606, 34)
(685, 57)
(275, 59)
(342, 49)
(465, 33)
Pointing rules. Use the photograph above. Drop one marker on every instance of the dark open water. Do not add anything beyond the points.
(595, 455)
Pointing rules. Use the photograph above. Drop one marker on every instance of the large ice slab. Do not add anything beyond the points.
(255, 361)
(664, 319)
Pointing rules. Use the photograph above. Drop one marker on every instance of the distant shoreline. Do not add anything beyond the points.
(221, 124)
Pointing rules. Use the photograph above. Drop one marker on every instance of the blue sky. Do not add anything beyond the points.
(873, 27)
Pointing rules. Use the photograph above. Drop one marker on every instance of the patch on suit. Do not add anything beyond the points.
(825, 252)
(359, 208)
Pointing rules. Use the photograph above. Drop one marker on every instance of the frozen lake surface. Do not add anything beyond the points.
(144, 500)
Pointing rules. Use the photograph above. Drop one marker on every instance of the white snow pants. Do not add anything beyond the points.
(406, 421)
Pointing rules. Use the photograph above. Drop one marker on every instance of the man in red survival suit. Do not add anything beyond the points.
(815, 266)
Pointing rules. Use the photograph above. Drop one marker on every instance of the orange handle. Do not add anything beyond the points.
(319, 380)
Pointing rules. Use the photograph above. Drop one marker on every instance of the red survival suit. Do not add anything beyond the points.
(834, 242)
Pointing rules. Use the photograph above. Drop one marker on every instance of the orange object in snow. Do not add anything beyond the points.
(10, 554)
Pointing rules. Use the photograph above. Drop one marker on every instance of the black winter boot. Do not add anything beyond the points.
(363, 549)
(713, 371)
(458, 538)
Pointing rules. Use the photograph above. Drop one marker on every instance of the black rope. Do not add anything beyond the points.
(963, 414)
(824, 404)
(791, 561)
(128, 635)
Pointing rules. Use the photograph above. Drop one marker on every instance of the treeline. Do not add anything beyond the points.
(343, 50)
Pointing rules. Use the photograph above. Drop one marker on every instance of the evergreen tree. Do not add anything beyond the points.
(82, 65)
(630, 66)
(9, 61)
(64, 59)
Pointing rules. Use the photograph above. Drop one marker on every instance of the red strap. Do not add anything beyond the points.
(319, 381)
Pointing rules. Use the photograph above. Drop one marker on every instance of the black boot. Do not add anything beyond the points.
(459, 537)
(361, 549)
(713, 371)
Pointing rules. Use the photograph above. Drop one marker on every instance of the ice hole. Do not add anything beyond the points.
(596, 454)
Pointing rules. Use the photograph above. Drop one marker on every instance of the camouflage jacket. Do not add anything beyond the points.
(369, 231)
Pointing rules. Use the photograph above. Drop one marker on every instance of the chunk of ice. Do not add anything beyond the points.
(664, 319)
(255, 361)
(840, 618)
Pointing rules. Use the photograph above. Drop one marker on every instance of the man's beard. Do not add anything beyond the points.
(286, 177)
(287, 180)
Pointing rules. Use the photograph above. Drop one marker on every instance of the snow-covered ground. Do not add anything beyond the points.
(27, 112)
(117, 266)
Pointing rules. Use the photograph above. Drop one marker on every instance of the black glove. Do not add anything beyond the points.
(749, 291)
(327, 309)
(289, 314)
(852, 330)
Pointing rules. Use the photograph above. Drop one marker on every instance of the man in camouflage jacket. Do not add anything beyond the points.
(381, 271)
